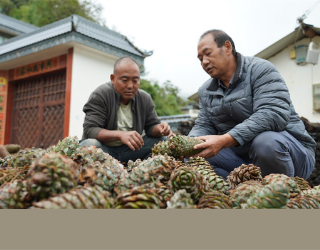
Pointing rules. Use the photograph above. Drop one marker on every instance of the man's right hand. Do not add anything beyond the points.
(132, 139)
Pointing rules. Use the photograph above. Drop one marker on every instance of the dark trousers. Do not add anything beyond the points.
(273, 152)
(123, 153)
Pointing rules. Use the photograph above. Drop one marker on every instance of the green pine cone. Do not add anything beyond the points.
(216, 182)
(313, 191)
(139, 198)
(177, 146)
(214, 200)
(190, 180)
(181, 200)
(80, 198)
(304, 202)
(12, 195)
(163, 191)
(84, 155)
(302, 183)
(273, 195)
(242, 192)
(291, 183)
(26, 157)
(51, 174)
(158, 167)
(67, 146)
(105, 176)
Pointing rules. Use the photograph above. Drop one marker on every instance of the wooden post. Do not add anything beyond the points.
(68, 93)
(4, 83)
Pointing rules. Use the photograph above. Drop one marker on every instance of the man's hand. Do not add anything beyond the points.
(132, 139)
(162, 129)
(213, 144)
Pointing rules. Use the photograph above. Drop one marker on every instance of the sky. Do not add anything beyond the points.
(171, 29)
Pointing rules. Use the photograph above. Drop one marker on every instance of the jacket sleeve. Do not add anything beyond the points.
(96, 113)
(151, 116)
(270, 104)
(203, 125)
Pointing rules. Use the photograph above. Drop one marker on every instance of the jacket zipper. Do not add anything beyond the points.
(224, 94)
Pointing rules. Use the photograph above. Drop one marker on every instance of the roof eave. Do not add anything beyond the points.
(65, 39)
(194, 97)
(76, 24)
(19, 27)
(284, 42)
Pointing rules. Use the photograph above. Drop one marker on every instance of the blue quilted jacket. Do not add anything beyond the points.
(257, 100)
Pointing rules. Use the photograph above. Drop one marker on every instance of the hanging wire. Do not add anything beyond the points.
(304, 16)
(301, 19)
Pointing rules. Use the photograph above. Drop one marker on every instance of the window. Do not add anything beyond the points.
(316, 97)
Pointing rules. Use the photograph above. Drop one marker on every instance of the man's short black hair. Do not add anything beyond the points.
(220, 37)
(116, 64)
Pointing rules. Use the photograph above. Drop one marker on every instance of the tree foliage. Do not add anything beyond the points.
(43, 12)
(165, 98)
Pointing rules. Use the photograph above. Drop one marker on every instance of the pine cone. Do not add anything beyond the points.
(80, 198)
(242, 192)
(244, 173)
(139, 197)
(190, 180)
(177, 146)
(3, 151)
(303, 202)
(273, 195)
(214, 200)
(181, 200)
(293, 186)
(51, 174)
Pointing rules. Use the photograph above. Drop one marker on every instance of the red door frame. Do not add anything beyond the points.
(64, 64)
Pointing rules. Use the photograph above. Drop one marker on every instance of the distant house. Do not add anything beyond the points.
(192, 109)
(48, 73)
(299, 64)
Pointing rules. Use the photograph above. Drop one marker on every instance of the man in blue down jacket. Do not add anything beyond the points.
(246, 115)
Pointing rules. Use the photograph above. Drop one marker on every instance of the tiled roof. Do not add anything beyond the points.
(104, 34)
(71, 24)
(14, 26)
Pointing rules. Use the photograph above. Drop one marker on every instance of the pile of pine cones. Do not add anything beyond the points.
(314, 130)
(67, 176)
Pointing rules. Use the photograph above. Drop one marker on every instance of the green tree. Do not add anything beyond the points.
(43, 12)
(166, 98)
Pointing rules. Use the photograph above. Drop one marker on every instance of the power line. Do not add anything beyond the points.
(304, 16)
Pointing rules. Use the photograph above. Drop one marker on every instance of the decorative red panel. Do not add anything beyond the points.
(38, 110)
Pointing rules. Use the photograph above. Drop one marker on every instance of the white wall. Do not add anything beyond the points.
(299, 80)
(90, 69)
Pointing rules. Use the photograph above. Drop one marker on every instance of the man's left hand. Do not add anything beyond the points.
(162, 129)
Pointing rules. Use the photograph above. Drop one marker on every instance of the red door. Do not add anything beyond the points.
(38, 110)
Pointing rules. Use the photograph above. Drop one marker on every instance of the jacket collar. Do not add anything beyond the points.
(214, 85)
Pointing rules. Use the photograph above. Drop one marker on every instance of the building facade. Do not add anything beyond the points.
(48, 73)
(289, 55)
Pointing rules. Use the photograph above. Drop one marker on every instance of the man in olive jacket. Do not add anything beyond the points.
(246, 115)
(118, 112)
